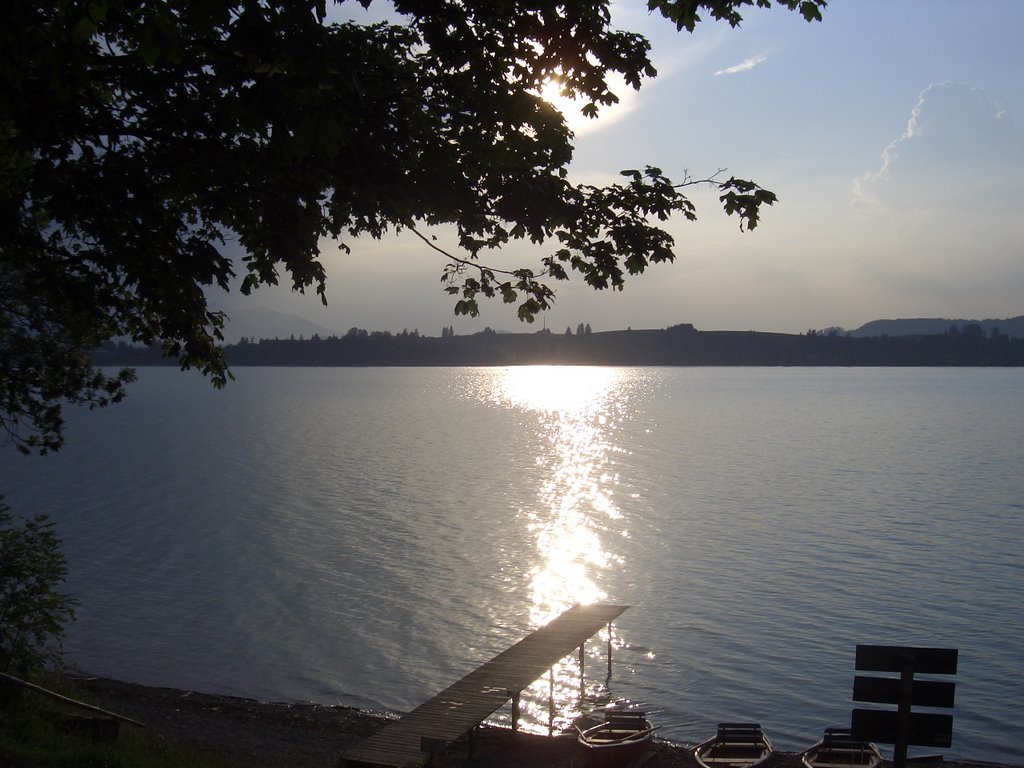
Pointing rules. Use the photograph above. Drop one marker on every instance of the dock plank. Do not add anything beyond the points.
(465, 704)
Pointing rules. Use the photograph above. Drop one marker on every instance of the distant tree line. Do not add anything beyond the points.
(676, 345)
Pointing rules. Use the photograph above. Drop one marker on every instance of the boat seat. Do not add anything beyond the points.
(740, 733)
(628, 721)
(842, 740)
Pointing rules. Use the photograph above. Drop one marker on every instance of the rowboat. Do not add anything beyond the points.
(838, 749)
(622, 739)
(735, 745)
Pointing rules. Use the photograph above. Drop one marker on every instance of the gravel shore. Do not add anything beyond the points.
(258, 734)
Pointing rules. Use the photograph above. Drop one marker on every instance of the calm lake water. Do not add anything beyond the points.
(368, 536)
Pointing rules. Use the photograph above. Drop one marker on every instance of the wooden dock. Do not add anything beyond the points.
(461, 707)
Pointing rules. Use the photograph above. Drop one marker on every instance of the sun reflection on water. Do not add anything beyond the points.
(574, 517)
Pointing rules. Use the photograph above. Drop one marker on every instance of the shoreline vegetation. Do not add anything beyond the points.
(234, 731)
(678, 345)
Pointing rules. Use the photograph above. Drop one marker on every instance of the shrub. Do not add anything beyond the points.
(32, 612)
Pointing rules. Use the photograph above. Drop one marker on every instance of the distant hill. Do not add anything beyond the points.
(1013, 327)
(258, 324)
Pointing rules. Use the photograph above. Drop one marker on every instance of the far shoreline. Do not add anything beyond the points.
(675, 346)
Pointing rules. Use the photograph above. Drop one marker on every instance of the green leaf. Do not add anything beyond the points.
(83, 30)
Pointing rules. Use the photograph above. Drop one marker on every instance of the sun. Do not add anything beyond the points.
(551, 92)
(569, 107)
(572, 108)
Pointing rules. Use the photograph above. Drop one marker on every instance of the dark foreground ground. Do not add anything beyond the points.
(265, 735)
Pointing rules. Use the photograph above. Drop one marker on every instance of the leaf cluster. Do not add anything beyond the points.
(33, 612)
(139, 138)
(686, 13)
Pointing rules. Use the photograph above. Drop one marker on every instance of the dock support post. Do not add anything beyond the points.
(609, 650)
(515, 711)
(551, 702)
(583, 680)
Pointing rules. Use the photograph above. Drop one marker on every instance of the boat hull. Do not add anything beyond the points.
(839, 750)
(614, 744)
(734, 746)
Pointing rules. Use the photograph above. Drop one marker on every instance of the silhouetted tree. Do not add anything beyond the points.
(137, 137)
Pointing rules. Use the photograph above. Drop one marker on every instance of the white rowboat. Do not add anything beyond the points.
(838, 749)
(735, 745)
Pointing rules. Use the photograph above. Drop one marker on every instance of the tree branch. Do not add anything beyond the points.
(465, 263)
(689, 181)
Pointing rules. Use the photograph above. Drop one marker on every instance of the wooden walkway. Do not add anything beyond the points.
(464, 705)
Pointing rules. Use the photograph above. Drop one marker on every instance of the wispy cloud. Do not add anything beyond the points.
(958, 152)
(743, 66)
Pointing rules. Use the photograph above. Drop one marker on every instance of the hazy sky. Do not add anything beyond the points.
(891, 132)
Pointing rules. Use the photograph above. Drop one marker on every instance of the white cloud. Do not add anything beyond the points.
(743, 66)
(958, 151)
(941, 229)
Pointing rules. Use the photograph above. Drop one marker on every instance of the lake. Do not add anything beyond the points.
(367, 536)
